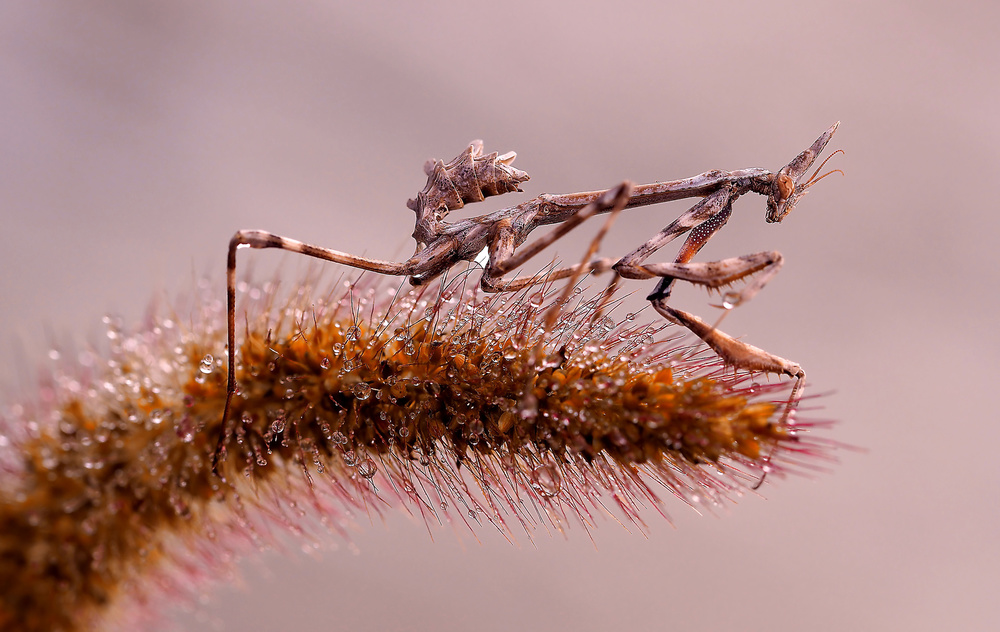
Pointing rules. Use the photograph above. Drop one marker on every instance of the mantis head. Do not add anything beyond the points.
(786, 190)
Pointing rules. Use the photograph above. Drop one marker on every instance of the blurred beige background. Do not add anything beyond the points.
(135, 138)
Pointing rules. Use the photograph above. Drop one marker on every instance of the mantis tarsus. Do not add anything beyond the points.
(471, 177)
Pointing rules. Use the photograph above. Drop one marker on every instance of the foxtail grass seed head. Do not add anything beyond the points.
(462, 408)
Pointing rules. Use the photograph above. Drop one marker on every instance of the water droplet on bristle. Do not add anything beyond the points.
(278, 425)
(731, 300)
(545, 479)
(362, 390)
(367, 468)
(185, 430)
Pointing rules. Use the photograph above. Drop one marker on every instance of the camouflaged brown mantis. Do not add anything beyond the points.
(495, 241)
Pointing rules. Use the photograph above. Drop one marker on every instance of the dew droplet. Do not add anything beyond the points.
(551, 361)
(278, 425)
(324, 363)
(185, 430)
(367, 468)
(207, 364)
(338, 438)
(731, 300)
(362, 390)
(545, 480)
(352, 334)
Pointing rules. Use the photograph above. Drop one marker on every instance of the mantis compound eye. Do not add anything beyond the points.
(780, 198)
(786, 186)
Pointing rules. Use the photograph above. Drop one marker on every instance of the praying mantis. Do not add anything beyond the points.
(497, 241)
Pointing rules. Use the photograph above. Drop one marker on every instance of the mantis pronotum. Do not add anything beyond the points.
(472, 176)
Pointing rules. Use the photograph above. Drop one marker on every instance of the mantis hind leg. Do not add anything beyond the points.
(262, 239)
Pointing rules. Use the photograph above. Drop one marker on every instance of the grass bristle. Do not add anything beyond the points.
(458, 407)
